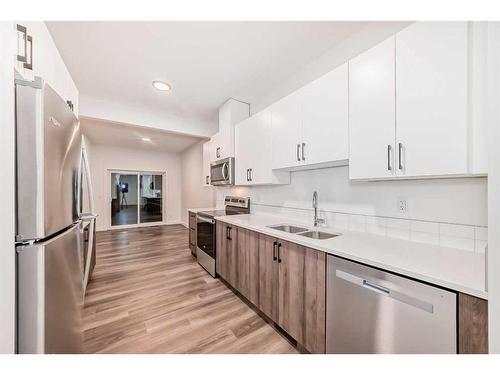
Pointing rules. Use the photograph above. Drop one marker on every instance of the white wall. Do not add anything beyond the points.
(194, 194)
(7, 231)
(104, 158)
(48, 64)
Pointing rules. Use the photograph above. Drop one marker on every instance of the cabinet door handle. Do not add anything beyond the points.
(248, 178)
(389, 152)
(400, 146)
(217, 152)
(230, 234)
(206, 180)
(279, 252)
(251, 172)
(274, 251)
(298, 151)
(303, 153)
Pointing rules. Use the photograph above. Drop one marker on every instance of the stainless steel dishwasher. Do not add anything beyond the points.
(372, 311)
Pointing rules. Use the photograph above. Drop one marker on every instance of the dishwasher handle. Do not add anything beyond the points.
(401, 297)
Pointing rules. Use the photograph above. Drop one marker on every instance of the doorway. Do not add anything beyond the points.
(136, 198)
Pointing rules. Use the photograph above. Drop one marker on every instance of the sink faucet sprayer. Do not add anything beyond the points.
(315, 206)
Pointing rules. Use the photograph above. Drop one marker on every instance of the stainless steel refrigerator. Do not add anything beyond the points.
(49, 238)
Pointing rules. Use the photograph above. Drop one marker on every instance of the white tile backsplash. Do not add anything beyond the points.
(424, 226)
(402, 234)
(456, 230)
(357, 223)
(481, 233)
(480, 246)
(398, 224)
(425, 237)
(464, 237)
(376, 225)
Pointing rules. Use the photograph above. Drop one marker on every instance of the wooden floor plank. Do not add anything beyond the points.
(149, 295)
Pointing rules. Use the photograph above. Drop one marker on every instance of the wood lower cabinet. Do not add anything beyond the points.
(302, 294)
(472, 325)
(248, 264)
(226, 253)
(268, 276)
(192, 232)
(284, 280)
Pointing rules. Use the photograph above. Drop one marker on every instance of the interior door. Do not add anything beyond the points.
(124, 198)
(291, 289)
(432, 98)
(268, 277)
(372, 112)
(325, 118)
(151, 198)
(286, 131)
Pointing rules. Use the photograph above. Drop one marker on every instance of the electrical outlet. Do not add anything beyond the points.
(402, 205)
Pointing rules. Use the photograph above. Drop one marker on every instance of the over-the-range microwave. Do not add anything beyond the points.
(222, 172)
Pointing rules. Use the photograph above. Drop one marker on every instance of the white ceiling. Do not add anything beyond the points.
(107, 133)
(205, 62)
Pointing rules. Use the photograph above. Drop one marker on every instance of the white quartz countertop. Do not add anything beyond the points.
(455, 269)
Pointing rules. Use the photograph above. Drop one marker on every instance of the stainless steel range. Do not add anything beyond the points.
(206, 231)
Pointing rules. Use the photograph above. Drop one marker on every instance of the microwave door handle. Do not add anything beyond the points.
(225, 171)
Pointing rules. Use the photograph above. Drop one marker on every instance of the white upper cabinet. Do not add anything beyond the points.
(310, 126)
(207, 146)
(432, 99)
(325, 118)
(230, 113)
(416, 104)
(286, 131)
(372, 113)
(252, 150)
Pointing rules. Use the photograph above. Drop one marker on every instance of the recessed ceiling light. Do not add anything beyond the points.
(146, 139)
(162, 86)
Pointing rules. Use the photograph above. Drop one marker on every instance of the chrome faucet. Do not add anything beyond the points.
(317, 220)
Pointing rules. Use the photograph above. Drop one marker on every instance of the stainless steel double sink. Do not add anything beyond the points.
(315, 234)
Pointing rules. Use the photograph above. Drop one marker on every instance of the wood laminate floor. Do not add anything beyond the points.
(149, 295)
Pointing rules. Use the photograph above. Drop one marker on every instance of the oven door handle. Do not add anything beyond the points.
(206, 220)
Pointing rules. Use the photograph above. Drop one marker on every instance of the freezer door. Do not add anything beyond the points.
(48, 149)
(50, 299)
(371, 311)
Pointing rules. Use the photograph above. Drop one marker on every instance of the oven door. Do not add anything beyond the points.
(205, 235)
(222, 172)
